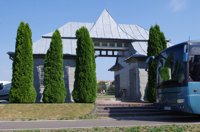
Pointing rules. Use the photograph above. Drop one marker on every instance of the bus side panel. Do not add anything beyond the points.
(193, 97)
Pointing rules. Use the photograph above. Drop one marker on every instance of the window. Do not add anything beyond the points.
(119, 44)
(1, 86)
(194, 68)
(96, 44)
(126, 44)
(104, 44)
(112, 44)
(171, 70)
(194, 63)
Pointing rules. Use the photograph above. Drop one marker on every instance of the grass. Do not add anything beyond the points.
(45, 111)
(164, 128)
(105, 95)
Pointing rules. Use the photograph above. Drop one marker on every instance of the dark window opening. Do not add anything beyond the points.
(194, 68)
(1, 86)
(112, 44)
(104, 44)
(96, 44)
(119, 44)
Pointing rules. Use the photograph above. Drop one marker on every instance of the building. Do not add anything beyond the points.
(128, 43)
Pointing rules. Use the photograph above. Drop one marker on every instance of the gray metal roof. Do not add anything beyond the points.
(141, 47)
(69, 29)
(104, 28)
(135, 32)
(41, 46)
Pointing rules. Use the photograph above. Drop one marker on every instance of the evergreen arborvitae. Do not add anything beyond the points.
(22, 89)
(54, 87)
(156, 44)
(85, 73)
(163, 41)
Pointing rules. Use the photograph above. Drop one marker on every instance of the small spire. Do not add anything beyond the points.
(105, 22)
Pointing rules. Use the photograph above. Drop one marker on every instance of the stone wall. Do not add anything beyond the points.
(68, 68)
(133, 78)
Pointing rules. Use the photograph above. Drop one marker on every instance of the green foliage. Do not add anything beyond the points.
(22, 89)
(151, 91)
(171, 128)
(163, 41)
(111, 89)
(55, 91)
(165, 73)
(156, 44)
(155, 128)
(85, 73)
(101, 86)
(133, 129)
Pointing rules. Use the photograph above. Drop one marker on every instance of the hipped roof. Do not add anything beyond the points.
(104, 28)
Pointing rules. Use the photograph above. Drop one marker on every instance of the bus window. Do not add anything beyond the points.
(194, 68)
(1, 86)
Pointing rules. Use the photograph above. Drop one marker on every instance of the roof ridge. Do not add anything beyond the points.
(105, 24)
(105, 10)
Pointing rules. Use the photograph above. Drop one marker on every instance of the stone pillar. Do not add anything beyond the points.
(143, 83)
(69, 82)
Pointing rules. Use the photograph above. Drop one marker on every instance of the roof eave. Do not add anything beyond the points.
(135, 58)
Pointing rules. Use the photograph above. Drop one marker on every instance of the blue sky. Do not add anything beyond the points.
(178, 19)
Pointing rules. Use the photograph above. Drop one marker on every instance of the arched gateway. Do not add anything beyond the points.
(128, 43)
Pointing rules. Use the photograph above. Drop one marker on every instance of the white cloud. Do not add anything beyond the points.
(177, 5)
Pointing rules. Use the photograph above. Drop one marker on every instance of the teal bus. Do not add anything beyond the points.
(178, 77)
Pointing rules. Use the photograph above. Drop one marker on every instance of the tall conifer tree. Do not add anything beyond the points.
(85, 73)
(22, 89)
(156, 44)
(55, 91)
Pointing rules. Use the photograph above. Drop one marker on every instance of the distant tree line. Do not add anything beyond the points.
(104, 86)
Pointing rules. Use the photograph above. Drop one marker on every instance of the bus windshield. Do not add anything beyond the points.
(194, 63)
(171, 69)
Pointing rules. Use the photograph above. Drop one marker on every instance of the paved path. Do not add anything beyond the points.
(10, 125)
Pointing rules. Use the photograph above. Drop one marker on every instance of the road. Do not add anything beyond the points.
(110, 122)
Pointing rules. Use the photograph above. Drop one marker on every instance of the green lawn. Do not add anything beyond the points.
(105, 95)
(45, 111)
(166, 128)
